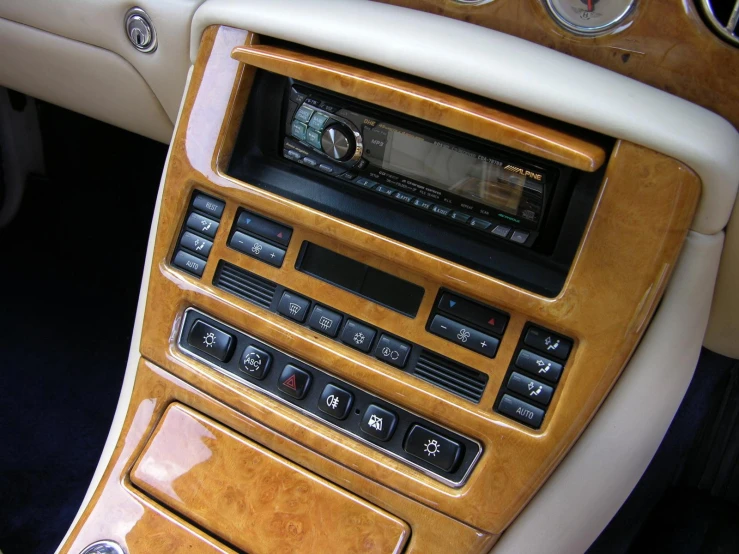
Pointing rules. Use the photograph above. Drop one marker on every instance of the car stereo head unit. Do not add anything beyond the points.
(481, 186)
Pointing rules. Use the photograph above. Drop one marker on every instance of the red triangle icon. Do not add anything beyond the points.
(291, 383)
(492, 321)
(279, 235)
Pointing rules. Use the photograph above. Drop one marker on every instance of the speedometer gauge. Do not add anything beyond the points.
(589, 17)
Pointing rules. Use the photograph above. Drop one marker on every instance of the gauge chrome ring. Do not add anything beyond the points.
(587, 31)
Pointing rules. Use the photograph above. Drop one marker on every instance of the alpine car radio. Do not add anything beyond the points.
(482, 186)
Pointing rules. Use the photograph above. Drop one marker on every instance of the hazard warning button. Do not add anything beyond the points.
(294, 381)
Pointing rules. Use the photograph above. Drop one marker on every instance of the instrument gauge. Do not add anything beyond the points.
(589, 17)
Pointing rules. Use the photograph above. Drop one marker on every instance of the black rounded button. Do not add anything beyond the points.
(338, 142)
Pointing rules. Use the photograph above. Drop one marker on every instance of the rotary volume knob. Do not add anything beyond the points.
(338, 142)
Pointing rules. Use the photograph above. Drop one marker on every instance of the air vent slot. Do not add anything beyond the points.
(245, 285)
(451, 376)
(723, 17)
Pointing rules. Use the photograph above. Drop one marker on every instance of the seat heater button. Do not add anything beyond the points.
(189, 263)
(196, 244)
(530, 388)
(294, 381)
(433, 448)
(552, 344)
(203, 225)
(255, 362)
(378, 422)
(210, 340)
(521, 411)
(539, 366)
(335, 401)
(293, 306)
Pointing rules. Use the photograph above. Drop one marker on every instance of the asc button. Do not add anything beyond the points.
(463, 335)
(433, 448)
(210, 340)
(255, 362)
(521, 411)
(246, 244)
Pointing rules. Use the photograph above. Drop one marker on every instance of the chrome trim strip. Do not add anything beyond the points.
(449, 482)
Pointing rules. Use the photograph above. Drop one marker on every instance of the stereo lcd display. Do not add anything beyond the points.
(461, 172)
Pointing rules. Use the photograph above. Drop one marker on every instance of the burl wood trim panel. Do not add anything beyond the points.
(629, 249)
(122, 512)
(251, 497)
(428, 104)
(664, 44)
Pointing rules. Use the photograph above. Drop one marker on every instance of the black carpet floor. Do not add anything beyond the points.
(70, 270)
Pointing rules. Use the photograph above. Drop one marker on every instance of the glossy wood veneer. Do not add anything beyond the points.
(425, 103)
(630, 246)
(662, 43)
(121, 512)
(253, 498)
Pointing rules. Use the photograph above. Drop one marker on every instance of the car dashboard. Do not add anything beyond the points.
(419, 279)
